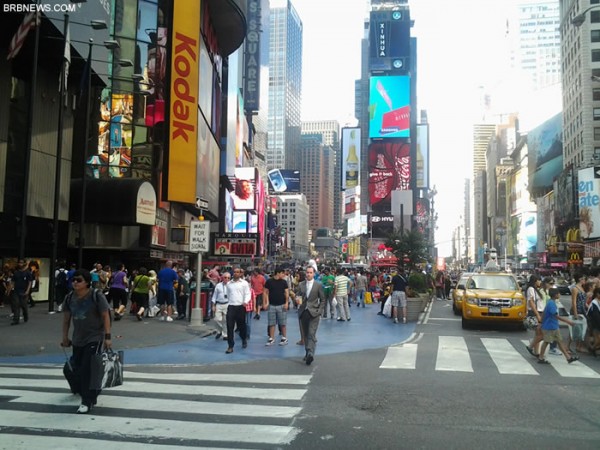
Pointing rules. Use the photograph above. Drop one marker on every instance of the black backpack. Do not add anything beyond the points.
(61, 279)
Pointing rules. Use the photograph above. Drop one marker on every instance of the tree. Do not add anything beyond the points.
(409, 245)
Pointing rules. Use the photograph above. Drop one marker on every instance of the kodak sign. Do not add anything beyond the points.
(183, 114)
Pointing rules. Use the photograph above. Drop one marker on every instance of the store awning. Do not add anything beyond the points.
(114, 201)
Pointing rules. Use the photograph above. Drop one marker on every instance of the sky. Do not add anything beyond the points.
(461, 46)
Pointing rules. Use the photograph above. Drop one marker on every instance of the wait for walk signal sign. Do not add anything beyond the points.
(199, 236)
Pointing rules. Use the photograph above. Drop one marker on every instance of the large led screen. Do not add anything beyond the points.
(284, 181)
(389, 170)
(350, 158)
(389, 107)
(244, 185)
(545, 154)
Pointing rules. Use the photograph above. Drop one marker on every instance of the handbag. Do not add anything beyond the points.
(106, 369)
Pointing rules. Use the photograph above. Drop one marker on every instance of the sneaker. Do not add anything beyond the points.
(283, 341)
(162, 318)
(169, 319)
(270, 342)
(83, 409)
(554, 352)
(395, 320)
(404, 320)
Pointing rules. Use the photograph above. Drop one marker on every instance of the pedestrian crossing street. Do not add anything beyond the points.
(510, 357)
(167, 411)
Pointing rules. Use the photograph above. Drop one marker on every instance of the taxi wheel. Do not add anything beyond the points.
(465, 324)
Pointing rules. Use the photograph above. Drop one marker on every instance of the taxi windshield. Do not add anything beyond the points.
(492, 282)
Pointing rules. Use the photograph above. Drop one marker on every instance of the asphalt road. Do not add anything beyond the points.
(442, 387)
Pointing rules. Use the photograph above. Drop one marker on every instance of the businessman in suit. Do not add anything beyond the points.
(313, 300)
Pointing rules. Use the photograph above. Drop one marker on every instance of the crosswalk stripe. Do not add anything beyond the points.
(185, 389)
(453, 355)
(180, 376)
(507, 360)
(402, 357)
(169, 405)
(152, 428)
(30, 442)
(573, 370)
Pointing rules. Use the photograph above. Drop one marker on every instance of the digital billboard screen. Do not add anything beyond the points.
(284, 181)
(545, 154)
(389, 107)
(244, 193)
(350, 157)
(389, 40)
(389, 170)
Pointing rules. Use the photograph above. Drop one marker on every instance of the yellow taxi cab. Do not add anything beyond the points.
(492, 296)
(457, 293)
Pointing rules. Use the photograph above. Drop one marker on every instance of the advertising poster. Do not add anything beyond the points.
(389, 107)
(588, 194)
(350, 158)
(389, 170)
(545, 154)
(284, 181)
(244, 193)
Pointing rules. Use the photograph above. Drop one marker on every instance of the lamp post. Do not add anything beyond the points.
(579, 19)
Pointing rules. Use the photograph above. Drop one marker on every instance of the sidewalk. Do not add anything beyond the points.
(155, 342)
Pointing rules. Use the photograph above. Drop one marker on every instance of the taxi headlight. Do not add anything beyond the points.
(471, 300)
(518, 302)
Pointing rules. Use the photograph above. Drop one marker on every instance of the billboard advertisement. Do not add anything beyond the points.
(588, 194)
(389, 40)
(389, 107)
(243, 197)
(564, 188)
(284, 181)
(354, 228)
(389, 170)
(207, 166)
(545, 155)
(422, 169)
(382, 225)
(350, 157)
(351, 202)
(183, 117)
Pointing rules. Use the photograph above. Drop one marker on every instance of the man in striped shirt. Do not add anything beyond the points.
(342, 286)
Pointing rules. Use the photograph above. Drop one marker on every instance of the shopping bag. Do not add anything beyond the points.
(106, 369)
(387, 307)
(368, 298)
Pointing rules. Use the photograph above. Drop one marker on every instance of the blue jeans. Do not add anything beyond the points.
(360, 297)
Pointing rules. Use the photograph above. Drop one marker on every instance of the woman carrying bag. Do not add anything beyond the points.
(90, 312)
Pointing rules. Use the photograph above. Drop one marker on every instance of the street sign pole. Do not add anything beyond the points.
(199, 242)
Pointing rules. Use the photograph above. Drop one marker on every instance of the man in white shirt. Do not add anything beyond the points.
(220, 302)
(238, 294)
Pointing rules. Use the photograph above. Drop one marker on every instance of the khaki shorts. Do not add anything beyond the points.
(399, 298)
(551, 336)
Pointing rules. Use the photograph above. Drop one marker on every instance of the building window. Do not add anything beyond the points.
(596, 55)
(596, 113)
(596, 94)
(595, 16)
(596, 153)
(596, 133)
(595, 35)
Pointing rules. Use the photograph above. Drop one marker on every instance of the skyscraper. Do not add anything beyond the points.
(285, 85)
(330, 192)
